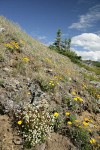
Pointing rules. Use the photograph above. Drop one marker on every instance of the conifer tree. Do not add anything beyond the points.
(66, 44)
(57, 43)
(69, 43)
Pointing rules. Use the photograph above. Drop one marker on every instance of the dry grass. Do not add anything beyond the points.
(37, 62)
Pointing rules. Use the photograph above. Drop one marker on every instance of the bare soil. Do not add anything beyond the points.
(9, 140)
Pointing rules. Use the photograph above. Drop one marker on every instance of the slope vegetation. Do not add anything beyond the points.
(29, 73)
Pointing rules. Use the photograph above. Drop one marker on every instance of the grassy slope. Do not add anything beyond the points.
(45, 65)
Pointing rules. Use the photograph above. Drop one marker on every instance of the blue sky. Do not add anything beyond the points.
(78, 19)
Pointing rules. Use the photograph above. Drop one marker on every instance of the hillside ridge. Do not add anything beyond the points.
(31, 73)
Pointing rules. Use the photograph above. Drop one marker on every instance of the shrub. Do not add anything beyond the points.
(35, 123)
(80, 137)
(71, 54)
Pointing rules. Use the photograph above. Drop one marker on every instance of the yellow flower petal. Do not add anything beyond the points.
(85, 123)
(56, 114)
(86, 119)
(69, 123)
(75, 99)
(19, 122)
(67, 113)
(77, 121)
(73, 93)
(92, 141)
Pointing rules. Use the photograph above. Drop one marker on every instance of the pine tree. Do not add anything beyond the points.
(57, 43)
(66, 44)
(69, 43)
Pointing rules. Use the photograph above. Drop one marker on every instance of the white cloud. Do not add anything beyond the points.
(90, 45)
(88, 41)
(42, 37)
(95, 56)
(88, 20)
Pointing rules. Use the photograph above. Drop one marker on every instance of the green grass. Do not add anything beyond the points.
(96, 70)
(90, 77)
(71, 54)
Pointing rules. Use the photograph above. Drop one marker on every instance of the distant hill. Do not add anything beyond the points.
(94, 63)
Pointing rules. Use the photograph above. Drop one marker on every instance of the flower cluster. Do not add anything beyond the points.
(78, 99)
(35, 122)
(58, 77)
(92, 141)
(85, 123)
(55, 81)
(12, 45)
(84, 86)
(52, 83)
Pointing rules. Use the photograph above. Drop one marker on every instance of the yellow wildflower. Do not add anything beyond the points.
(56, 114)
(69, 123)
(80, 99)
(84, 86)
(91, 121)
(89, 130)
(51, 81)
(85, 123)
(26, 59)
(67, 113)
(86, 119)
(19, 122)
(77, 121)
(52, 84)
(92, 141)
(95, 126)
(80, 126)
(9, 46)
(75, 99)
(73, 93)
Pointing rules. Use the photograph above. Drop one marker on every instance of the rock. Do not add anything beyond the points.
(7, 69)
(37, 93)
(98, 101)
(40, 147)
(95, 83)
(17, 140)
(2, 30)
